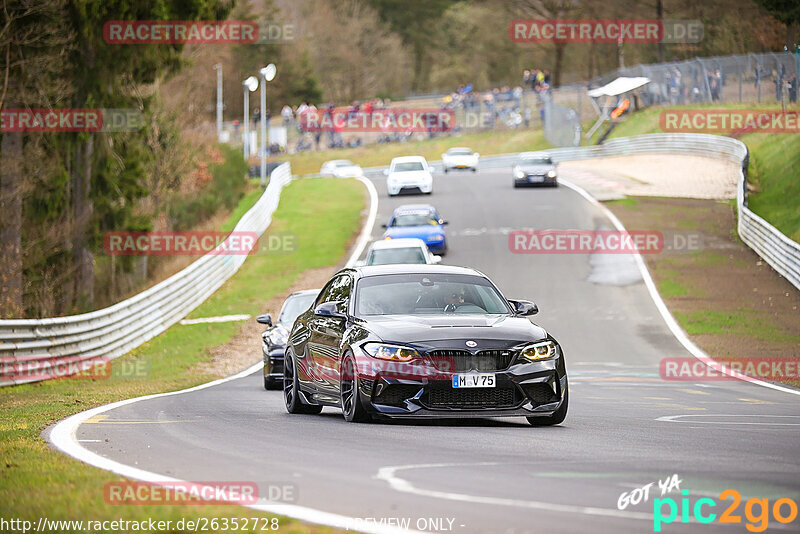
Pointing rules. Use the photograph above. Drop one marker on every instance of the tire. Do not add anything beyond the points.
(516, 185)
(291, 389)
(556, 418)
(446, 170)
(352, 409)
(474, 169)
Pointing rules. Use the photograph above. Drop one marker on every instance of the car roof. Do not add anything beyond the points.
(403, 159)
(459, 148)
(338, 161)
(534, 155)
(415, 268)
(403, 242)
(304, 292)
(410, 208)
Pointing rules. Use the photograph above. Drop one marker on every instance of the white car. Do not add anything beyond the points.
(405, 250)
(409, 173)
(460, 158)
(341, 168)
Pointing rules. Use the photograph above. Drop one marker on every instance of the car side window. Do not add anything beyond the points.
(337, 289)
(340, 291)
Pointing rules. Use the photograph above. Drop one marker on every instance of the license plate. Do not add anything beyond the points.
(461, 166)
(474, 380)
(535, 179)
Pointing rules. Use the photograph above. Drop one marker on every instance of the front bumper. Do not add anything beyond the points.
(396, 189)
(273, 363)
(534, 181)
(524, 389)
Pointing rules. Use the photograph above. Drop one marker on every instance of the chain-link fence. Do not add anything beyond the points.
(560, 112)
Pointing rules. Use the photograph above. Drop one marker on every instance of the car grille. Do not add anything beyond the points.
(498, 397)
(540, 393)
(459, 361)
(395, 394)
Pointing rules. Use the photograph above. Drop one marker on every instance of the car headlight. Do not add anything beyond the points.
(539, 351)
(551, 174)
(385, 351)
(519, 174)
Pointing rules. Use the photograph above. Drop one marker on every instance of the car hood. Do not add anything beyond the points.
(422, 232)
(452, 331)
(410, 176)
(538, 169)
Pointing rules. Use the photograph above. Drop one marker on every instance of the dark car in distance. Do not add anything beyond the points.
(535, 169)
(273, 339)
(422, 341)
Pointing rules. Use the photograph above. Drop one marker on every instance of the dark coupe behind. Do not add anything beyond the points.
(422, 341)
(273, 339)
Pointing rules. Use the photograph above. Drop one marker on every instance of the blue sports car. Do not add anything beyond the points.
(421, 221)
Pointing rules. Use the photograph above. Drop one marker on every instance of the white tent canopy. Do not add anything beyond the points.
(619, 86)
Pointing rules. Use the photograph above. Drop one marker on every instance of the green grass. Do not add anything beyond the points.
(492, 142)
(628, 202)
(36, 481)
(739, 323)
(671, 288)
(774, 165)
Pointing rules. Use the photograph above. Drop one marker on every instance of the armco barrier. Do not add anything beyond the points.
(36, 349)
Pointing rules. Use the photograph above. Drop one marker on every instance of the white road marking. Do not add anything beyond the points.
(389, 474)
(674, 419)
(672, 324)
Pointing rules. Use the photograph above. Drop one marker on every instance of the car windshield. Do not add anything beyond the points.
(408, 166)
(344, 163)
(459, 152)
(414, 219)
(536, 161)
(294, 306)
(387, 256)
(428, 294)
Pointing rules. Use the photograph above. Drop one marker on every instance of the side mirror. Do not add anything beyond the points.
(443, 222)
(477, 155)
(524, 307)
(444, 156)
(436, 259)
(384, 226)
(265, 319)
(329, 309)
(386, 172)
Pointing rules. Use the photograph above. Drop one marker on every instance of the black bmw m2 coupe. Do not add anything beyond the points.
(422, 341)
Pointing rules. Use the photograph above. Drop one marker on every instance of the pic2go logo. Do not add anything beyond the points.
(757, 511)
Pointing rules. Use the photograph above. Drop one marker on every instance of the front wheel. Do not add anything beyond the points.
(556, 418)
(291, 389)
(352, 408)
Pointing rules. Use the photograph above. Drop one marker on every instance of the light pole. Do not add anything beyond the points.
(267, 75)
(218, 68)
(250, 85)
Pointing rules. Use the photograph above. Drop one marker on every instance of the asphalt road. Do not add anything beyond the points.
(498, 475)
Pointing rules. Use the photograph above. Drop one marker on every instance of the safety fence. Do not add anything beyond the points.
(32, 350)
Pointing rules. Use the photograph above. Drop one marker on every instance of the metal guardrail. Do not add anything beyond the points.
(32, 350)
